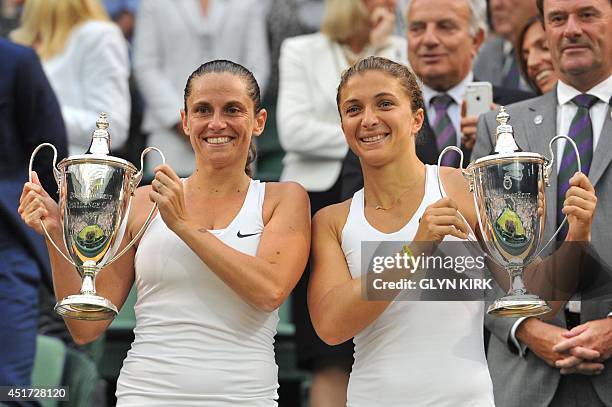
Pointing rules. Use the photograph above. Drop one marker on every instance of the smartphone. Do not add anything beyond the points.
(478, 98)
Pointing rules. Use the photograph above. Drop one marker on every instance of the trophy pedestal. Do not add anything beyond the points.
(86, 307)
(514, 306)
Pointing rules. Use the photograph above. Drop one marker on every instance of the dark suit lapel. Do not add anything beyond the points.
(602, 156)
(538, 128)
(541, 123)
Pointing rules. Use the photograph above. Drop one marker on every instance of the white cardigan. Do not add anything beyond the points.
(308, 120)
(91, 76)
(171, 40)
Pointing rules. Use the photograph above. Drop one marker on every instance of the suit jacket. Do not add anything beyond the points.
(518, 380)
(489, 63)
(426, 147)
(29, 115)
(171, 40)
(308, 122)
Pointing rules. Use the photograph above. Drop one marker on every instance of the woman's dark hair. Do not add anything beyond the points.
(540, 6)
(522, 62)
(402, 73)
(224, 66)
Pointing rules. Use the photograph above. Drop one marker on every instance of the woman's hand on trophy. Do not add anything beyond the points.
(579, 206)
(167, 193)
(36, 204)
(440, 219)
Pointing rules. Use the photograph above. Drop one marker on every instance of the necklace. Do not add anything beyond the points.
(395, 202)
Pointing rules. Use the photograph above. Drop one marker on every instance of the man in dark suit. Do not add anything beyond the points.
(441, 48)
(496, 60)
(533, 362)
(29, 115)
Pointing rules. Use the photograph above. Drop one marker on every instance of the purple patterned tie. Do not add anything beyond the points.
(581, 131)
(444, 130)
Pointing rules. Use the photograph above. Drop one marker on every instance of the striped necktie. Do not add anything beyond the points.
(444, 130)
(581, 131)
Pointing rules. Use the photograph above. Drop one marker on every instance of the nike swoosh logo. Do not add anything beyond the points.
(240, 235)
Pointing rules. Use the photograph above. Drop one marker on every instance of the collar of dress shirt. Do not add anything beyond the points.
(457, 92)
(507, 48)
(603, 90)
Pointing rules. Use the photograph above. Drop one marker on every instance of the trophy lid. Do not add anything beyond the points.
(505, 145)
(99, 149)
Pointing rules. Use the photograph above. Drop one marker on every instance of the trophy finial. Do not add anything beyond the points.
(505, 134)
(502, 117)
(102, 122)
(100, 139)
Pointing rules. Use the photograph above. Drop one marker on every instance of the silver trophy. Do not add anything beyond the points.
(96, 191)
(508, 190)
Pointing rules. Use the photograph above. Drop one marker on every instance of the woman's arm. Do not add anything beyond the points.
(337, 308)
(113, 282)
(558, 275)
(266, 279)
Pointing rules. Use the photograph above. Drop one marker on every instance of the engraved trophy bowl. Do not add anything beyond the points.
(95, 191)
(508, 191)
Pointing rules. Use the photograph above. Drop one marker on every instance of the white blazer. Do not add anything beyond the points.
(171, 39)
(91, 76)
(308, 121)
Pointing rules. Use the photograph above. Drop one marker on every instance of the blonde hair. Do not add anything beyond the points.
(47, 24)
(343, 19)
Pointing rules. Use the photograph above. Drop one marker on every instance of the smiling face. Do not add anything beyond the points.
(220, 119)
(377, 117)
(537, 56)
(579, 34)
(440, 47)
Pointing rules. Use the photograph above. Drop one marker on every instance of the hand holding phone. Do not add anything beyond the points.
(478, 98)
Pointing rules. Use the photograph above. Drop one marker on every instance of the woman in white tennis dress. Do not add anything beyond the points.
(221, 255)
(407, 353)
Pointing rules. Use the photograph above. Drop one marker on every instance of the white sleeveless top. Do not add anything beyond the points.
(197, 343)
(415, 353)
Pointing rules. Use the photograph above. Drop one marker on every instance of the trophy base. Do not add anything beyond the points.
(86, 307)
(514, 306)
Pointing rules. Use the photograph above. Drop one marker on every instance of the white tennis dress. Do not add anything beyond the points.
(415, 353)
(197, 343)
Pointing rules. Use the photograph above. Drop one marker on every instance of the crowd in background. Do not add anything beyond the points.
(130, 59)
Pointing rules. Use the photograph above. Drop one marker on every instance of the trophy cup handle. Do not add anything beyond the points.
(469, 176)
(548, 166)
(58, 178)
(56, 173)
(134, 184)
